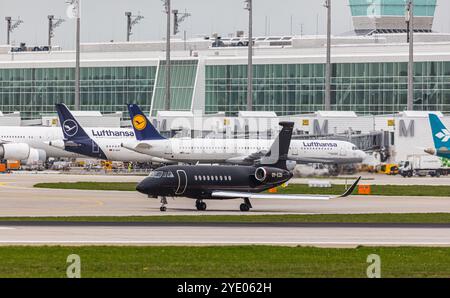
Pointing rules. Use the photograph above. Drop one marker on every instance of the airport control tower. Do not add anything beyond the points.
(388, 16)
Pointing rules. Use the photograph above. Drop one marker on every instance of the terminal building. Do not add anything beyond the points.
(209, 74)
(369, 71)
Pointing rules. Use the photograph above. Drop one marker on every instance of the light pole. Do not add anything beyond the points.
(410, 39)
(51, 27)
(73, 12)
(131, 22)
(178, 18)
(327, 103)
(249, 7)
(10, 26)
(168, 84)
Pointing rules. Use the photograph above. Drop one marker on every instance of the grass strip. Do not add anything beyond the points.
(430, 218)
(381, 190)
(223, 261)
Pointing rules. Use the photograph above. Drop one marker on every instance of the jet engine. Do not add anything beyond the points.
(36, 156)
(18, 151)
(291, 164)
(271, 175)
(22, 152)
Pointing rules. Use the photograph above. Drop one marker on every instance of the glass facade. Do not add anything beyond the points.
(183, 74)
(422, 8)
(34, 91)
(366, 88)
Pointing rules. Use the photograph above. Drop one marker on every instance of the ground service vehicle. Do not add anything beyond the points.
(423, 165)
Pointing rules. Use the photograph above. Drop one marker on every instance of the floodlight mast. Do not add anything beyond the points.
(131, 22)
(167, 10)
(11, 25)
(327, 102)
(409, 18)
(249, 7)
(75, 6)
(178, 18)
(51, 27)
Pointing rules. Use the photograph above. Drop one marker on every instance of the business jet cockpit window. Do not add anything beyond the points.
(156, 174)
(160, 174)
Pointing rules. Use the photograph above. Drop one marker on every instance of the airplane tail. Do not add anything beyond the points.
(70, 126)
(143, 128)
(76, 139)
(441, 135)
(278, 154)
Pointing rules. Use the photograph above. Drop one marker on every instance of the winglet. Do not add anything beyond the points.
(143, 128)
(351, 189)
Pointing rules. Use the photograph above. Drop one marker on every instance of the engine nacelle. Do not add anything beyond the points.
(18, 151)
(271, 175)
(291, 164)
(36, 156)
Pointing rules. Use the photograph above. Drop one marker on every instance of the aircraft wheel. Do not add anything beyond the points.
(244, 207)
(201, 206)
(163, 209)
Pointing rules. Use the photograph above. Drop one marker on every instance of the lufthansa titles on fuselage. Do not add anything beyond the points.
(112, 133)
(319, 144)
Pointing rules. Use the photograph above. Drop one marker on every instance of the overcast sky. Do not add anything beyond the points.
(104, 20)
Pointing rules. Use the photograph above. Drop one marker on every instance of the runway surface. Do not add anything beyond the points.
(19, 198)
(322, 235)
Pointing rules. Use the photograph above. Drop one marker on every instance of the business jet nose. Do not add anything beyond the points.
(141, 187)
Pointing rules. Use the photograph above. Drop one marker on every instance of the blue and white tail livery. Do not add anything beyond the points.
(143, 128)
(441, 136)
(76, 139)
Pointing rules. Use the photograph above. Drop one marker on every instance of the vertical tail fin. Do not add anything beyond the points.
(441, 135)
(143, 128)
(76, 139)
(278, 154)
(70, 126)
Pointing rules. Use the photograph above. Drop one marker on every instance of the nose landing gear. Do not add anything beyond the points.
(163, 207)
(200, 205)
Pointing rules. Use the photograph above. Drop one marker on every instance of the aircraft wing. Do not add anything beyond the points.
(137, 146)
(248, 195)
(247, 159)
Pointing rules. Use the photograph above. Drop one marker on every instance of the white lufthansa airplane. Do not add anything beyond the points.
(30, 144)
(233, 151)
(100, 143)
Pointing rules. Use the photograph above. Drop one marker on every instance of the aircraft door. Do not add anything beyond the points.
(342, 152)
(182, 182)
(95, 148)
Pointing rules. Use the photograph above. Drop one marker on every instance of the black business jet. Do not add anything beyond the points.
(203, 182)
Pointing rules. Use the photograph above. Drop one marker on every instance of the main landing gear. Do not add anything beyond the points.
(245, 207)
(201, 206)
(163, 207)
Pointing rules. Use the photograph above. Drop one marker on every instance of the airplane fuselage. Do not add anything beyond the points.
(236, 150)
(198, 182)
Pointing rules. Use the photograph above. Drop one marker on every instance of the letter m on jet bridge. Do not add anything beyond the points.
(404, 132)
(320, 130)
